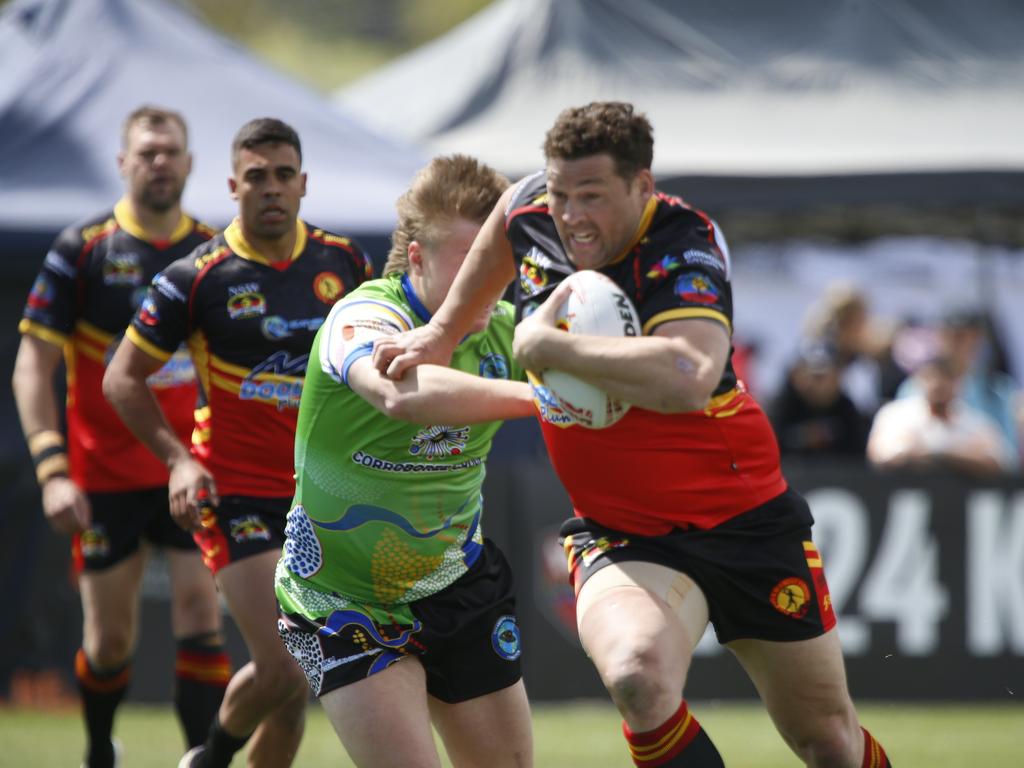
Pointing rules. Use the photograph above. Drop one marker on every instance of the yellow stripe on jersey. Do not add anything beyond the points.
(641, 230)
(147, 346)
(126, 219)
(686, 313)
(236, 242)
(42, 332)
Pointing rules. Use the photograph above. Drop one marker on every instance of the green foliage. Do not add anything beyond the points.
(578, 734)
(329, 43)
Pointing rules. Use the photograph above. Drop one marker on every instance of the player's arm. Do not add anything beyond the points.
(675, 370)
(125, 387)
(488, 269)
(65, 505)
(434, 394)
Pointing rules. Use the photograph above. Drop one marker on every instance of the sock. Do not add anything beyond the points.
(220, 747)
(202, 670)
(101, 694)
(678, 741)
(874, 755)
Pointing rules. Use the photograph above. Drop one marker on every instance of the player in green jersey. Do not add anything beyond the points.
(396, 607)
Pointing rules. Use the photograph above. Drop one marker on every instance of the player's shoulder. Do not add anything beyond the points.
(200, 259)
(530, 194)
(333, 240)
(682, 236)
(203, 230)
(88, 230)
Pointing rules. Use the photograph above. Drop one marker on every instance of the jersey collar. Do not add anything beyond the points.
(414, 301)
(126, 220)
(641, 230)
(236, 242)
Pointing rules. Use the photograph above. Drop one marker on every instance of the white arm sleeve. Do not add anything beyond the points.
(351, 328)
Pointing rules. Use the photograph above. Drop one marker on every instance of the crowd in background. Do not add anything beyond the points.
(904, 395)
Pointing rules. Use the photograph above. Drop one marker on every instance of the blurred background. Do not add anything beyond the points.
(863, 158)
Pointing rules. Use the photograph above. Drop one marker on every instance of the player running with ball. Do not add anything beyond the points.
(682, 515)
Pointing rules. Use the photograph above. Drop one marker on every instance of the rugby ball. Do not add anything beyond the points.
(596, 307)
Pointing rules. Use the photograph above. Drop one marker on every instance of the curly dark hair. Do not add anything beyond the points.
(603, 127)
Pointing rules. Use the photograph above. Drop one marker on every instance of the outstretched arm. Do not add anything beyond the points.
(124, 386)
(487, 270)
(433, 394)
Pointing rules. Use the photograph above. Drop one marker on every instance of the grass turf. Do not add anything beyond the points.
(566, 735)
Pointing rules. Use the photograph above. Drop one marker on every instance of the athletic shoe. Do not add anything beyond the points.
(191, 758)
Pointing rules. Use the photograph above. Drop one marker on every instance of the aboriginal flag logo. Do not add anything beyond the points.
(791, 597)
(694, 287)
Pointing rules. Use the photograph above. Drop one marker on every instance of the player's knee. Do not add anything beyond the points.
(281, 680)
(636, 682)
(108, 647)
(832, 743)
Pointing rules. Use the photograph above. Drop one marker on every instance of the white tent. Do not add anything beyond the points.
(71, 71)
(738, 88)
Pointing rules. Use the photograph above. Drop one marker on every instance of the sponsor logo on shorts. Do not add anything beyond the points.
(505, 638)
(122, 269)
(695, 287)
(328, 287)
(791, 597)
(94, 543)
(437, 441)
(494, 367)
(249, 528)
(594, 548)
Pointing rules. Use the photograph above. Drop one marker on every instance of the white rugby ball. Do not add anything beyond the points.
(596, 307)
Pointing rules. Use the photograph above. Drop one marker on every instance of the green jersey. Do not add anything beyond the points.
(386, 512)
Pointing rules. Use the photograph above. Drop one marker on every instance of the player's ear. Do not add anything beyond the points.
(121, 157)
(188, 163)
(233, 187)
(415, 257)
(302, 177)
(645, 179)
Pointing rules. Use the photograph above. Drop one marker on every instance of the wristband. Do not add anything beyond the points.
(48, 454)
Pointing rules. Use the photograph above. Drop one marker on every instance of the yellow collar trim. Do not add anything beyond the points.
(236, 242)
(124, 215)
(641, 230)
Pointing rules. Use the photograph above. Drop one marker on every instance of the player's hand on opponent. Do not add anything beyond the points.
(191, 490)
(394, 355)
(528, 341)
(65, 505)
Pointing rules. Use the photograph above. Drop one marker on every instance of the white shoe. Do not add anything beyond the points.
(188, 758)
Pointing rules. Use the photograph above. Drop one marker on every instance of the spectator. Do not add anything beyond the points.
(812, 415)
(935, 428)
(963, 339)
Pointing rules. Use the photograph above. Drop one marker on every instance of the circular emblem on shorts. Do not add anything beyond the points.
(792, 597)
(328, 287)
(505, 638)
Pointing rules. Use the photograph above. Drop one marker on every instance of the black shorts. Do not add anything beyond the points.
(466, 636)
(120, 521)
(240, 527)
(760, 571)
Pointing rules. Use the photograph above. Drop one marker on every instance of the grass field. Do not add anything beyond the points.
(580, 734)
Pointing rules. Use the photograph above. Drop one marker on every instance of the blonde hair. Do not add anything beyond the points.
(152, 117)
(450, 187)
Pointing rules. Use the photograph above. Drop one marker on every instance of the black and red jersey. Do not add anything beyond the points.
(651, 472)
(249, 324)
(91, 283)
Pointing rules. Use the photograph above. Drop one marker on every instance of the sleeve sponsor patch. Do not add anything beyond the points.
(696, 257)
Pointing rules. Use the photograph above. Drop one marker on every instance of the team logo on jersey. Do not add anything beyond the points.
(94, 543)
(505, 638)
(434, 442)
(148, 313)
(533, 274)
(791, 597)
(122, 269)
(695, 287)
(663, 267)
(328, 287)
(494, 366)
(249, 528)
(704, 259)
(246, 300)
(41, 295)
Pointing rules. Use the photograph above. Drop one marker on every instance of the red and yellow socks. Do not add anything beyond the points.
(678, 741)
